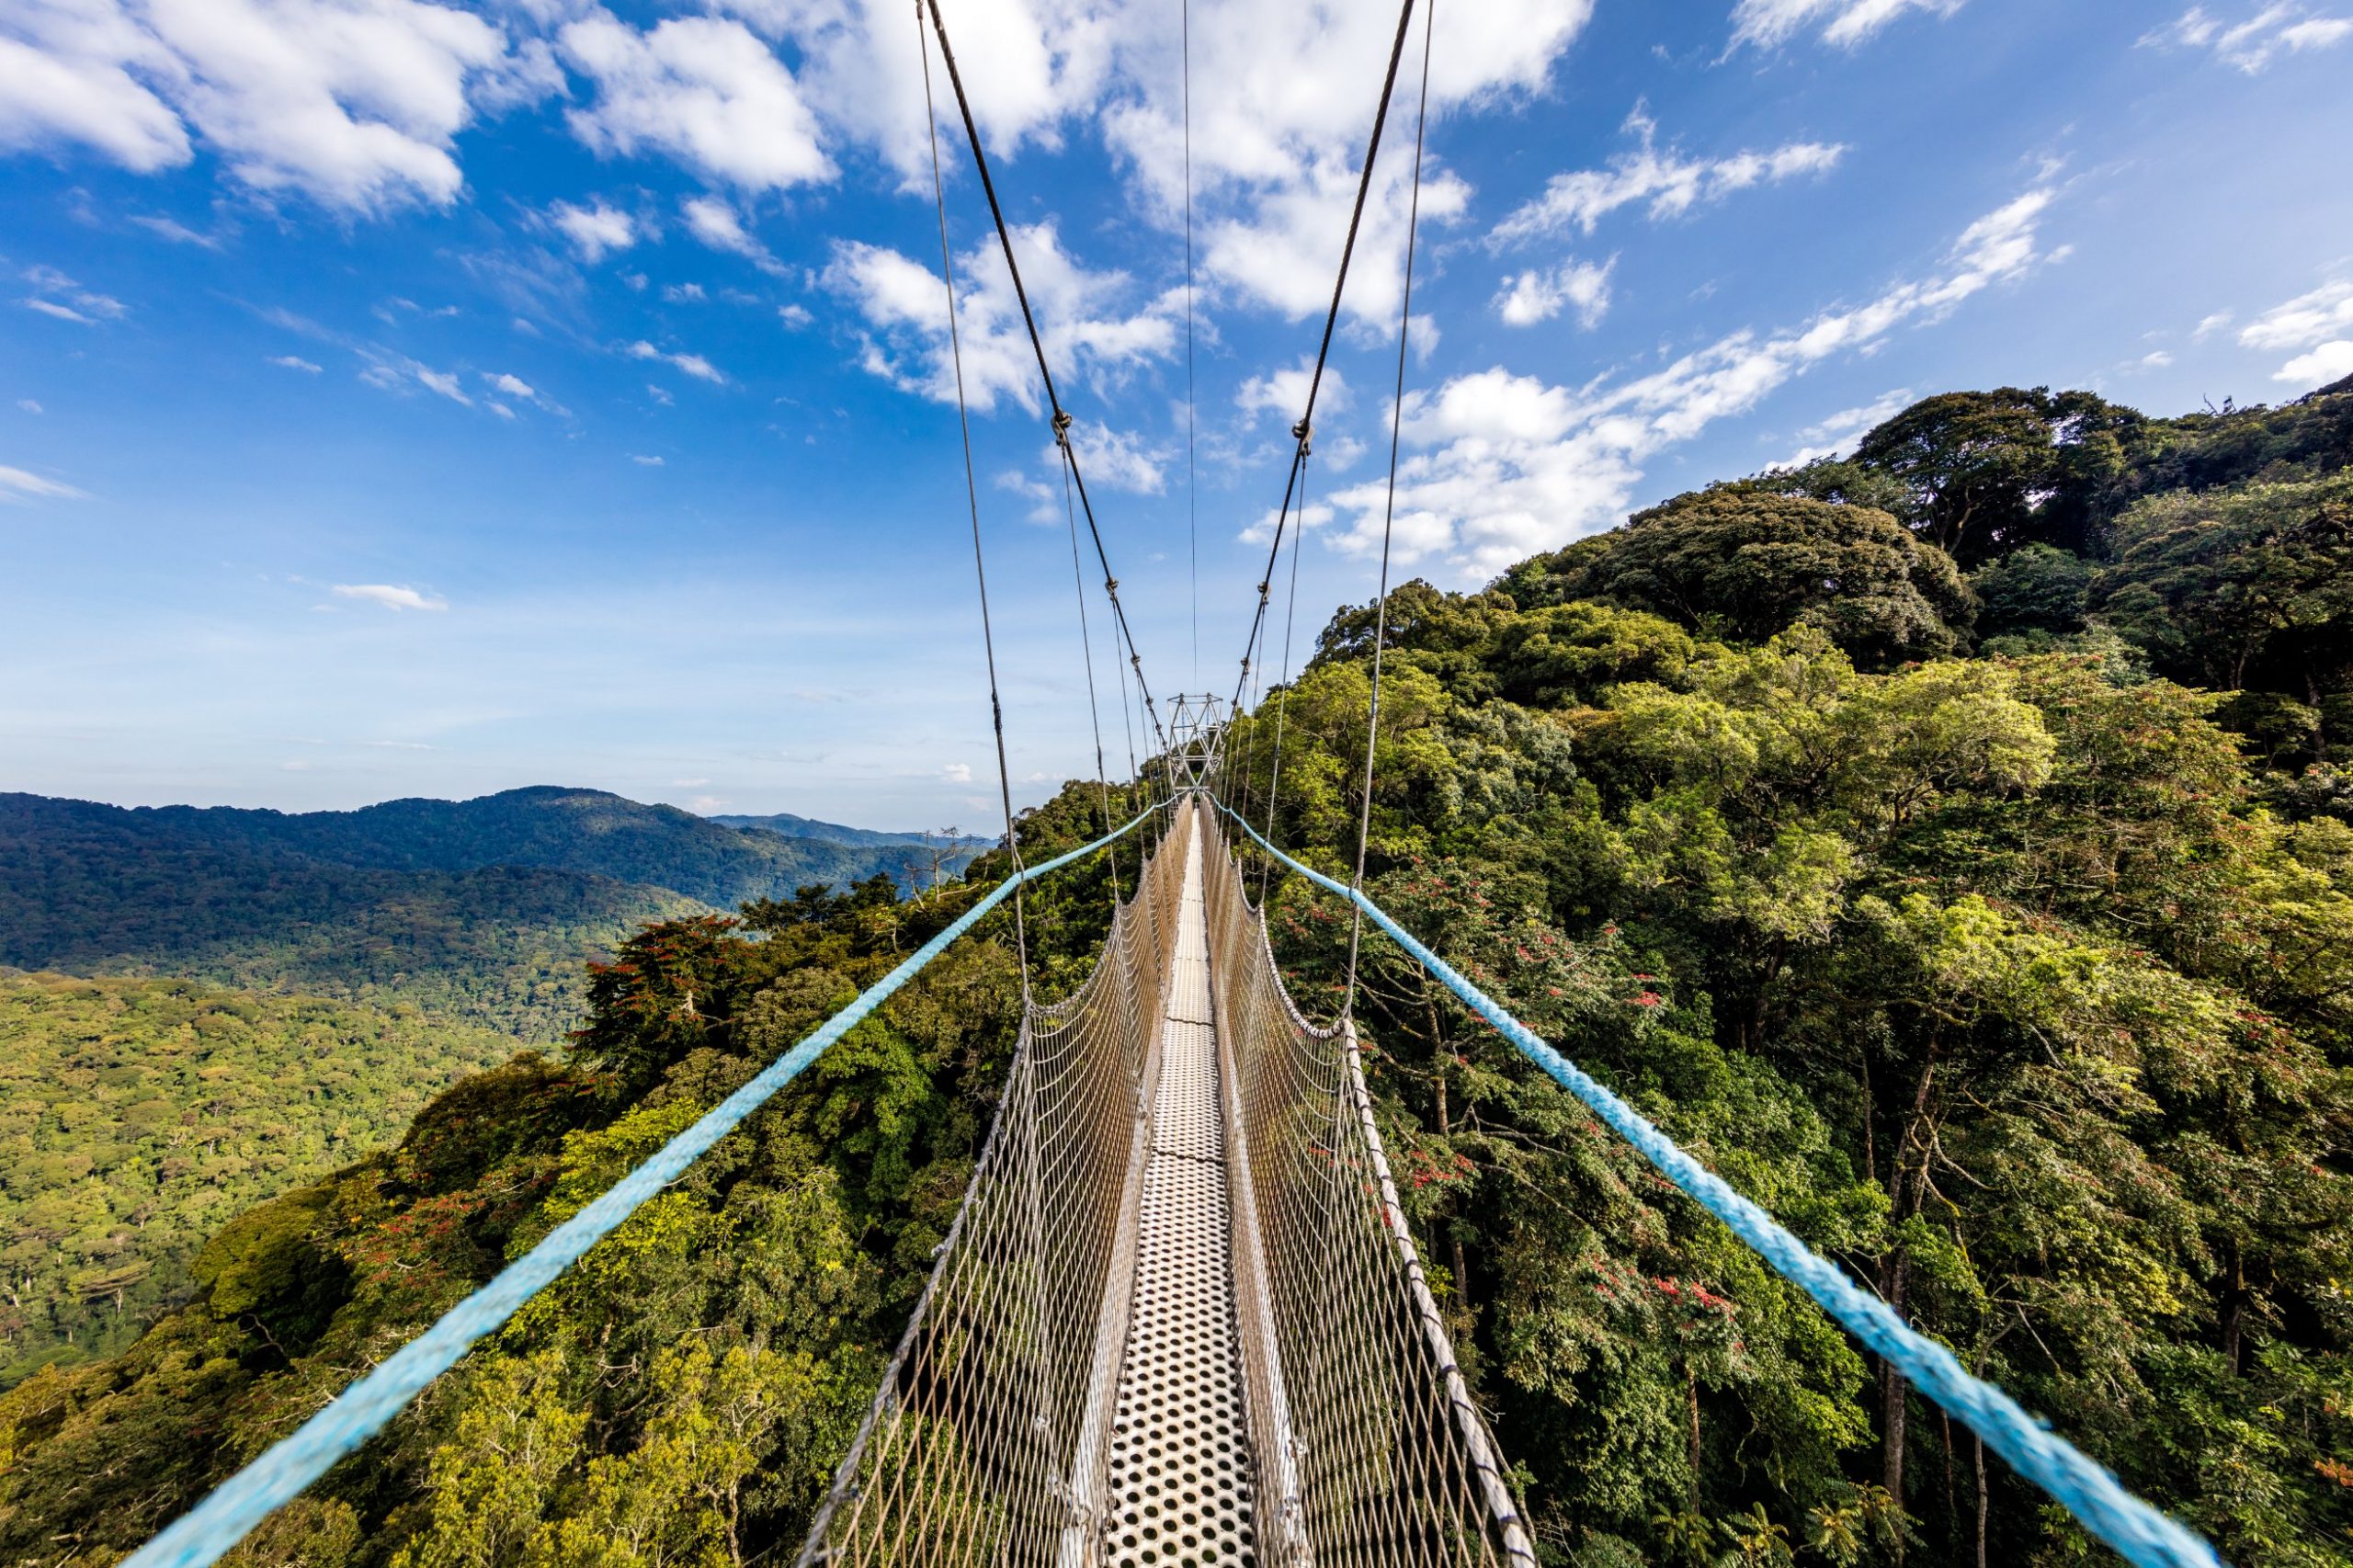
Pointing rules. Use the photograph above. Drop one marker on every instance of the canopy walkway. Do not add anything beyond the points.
(1181, 1319)
(1178, 1320)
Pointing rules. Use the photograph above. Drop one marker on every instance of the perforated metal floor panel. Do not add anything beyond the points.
(1179, 1475)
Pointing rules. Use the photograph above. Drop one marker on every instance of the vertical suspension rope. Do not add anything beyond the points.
(1388, 517)
(1282, 692)
(1192, 488)
(972, 495)
(1305, 428)
(1087, 648)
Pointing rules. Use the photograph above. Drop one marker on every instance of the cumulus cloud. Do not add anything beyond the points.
(1089, 328)
(1668, 180)
(2328, 362)
(19, 484)
(703, 90)
(356, 104)
(2255, 42)
(595, 232)
(1118, 459)
(956, 773)
(390, 597)
(1284, 393)
(1768, 24)
(721, 227)
(1540, 294)
(1504, 465)
(2306, 318)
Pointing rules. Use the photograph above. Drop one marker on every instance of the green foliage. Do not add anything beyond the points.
(2020, 983)
(1740, 562)
(2248, 589)
(138, 1117)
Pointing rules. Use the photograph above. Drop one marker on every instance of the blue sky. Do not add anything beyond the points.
(402, 399)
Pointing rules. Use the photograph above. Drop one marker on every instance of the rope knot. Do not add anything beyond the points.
(1300, 432)
(1062, 428)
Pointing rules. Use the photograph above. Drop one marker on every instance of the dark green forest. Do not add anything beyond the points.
(1952, 845)
(480, 911)
(138, 1117)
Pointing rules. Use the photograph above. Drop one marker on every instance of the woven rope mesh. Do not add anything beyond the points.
(986, 1422)
(1159, 1213)
(1370, 1450)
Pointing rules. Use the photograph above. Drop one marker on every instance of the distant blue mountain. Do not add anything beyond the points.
(792, 826)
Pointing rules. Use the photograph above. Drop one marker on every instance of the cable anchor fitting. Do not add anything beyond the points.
(1301, 432)
(1062, 428)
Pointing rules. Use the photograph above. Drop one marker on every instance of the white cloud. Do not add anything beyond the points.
(683, 293)
(2251, 45)
(2156, 359)
(294, 362)
(2306, 318)
(595, 232)
(1835, 435)
(1118, 459)
(2208, 326)
(794, 317)
(1670, 182)
(355, 104)
(442, 381)
(513, 386)
(1504, 465)
(703, 90)
(1079, 315)
(17, 484)
(390, 597)
(178, 233)
(644, 462)
(55, 294)
(2330, 361)
(29, 407)
(721, 227)
(1768, 24)
(1539, 295)
(1284, 393)
(694, 365)
(956, 773)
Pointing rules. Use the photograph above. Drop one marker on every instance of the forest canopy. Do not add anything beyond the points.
(1952, 845)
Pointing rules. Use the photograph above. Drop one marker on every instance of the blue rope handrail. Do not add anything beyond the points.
(200, 1537)
(2139, 1532)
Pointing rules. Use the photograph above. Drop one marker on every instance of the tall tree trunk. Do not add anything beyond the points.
(1981, 1502)
(1691, 1404)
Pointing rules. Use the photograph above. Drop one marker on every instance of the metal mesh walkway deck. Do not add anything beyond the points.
(1180, 1486)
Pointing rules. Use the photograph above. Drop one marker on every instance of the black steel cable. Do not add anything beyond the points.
(1038, 346)
(1303, 431)
(973, 495)
(1388, 516)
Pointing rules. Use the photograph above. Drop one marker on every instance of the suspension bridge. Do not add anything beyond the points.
(1179, 1319)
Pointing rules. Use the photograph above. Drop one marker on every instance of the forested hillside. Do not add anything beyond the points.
(137, 1117)
(1952, 845)
(482, 911)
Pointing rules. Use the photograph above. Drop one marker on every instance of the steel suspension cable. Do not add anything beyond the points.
(1388, 517)
(1305, 431)
(1192, 487)
(1087, 648)
(1062, 419)
(1283, 696)
(973, 495)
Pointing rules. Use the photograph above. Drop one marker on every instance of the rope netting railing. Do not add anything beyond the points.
(1370, 1449)
(986, 1443)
